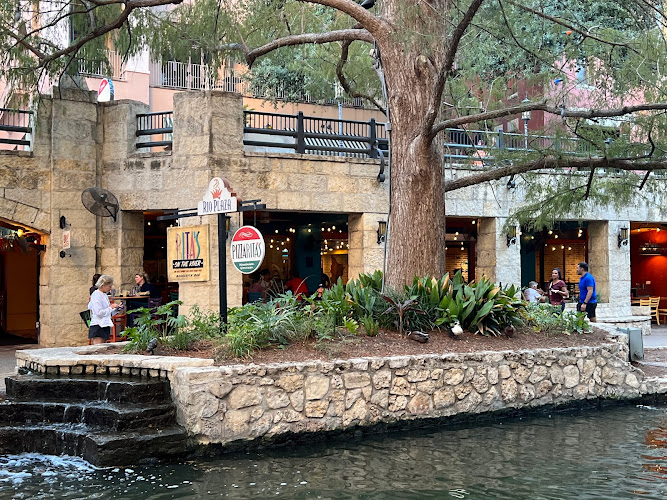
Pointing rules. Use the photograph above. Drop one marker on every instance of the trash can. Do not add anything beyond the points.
(635, 343)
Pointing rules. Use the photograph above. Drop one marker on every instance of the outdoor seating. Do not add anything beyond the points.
(654, 304)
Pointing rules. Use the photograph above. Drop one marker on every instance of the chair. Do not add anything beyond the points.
(119, 324)
(254, 296)
(654, 304)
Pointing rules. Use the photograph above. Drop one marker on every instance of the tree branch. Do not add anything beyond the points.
(343, 81)
(332, 36)
(448, 63)
(543, 106)
(551, 163)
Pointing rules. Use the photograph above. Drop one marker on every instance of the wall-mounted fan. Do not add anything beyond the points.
(100, 202)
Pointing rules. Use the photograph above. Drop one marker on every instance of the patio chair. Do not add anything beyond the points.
(654, 304)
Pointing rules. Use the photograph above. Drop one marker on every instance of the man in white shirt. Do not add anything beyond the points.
(532, 293)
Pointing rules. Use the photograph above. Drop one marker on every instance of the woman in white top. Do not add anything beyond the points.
(101, 311)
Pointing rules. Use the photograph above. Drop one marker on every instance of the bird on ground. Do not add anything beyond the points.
(152, 345)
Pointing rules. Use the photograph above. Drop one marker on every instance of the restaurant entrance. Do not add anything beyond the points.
(20, 250)
(563, 246)
(155, 254)
(304, 245)
(648, 261)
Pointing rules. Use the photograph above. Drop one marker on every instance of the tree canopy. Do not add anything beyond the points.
(446, 63)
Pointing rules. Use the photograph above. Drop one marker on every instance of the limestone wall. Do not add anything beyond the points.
(238, 403)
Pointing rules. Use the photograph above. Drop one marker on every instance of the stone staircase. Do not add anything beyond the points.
(105, 420)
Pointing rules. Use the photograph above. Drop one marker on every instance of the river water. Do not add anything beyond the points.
(619, 452)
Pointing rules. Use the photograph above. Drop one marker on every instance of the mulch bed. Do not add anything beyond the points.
(388, 343)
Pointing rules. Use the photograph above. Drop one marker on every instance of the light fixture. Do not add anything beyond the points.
(19, 232)
(511, 236)
(382, 231)
(525, 116)
(623, 237)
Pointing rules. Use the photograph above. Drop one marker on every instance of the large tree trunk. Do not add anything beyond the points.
(416, 243)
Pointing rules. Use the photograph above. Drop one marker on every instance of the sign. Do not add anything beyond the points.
(188, 253)
(218, 199)
(247, 249)
(105, 92)
(67, 241)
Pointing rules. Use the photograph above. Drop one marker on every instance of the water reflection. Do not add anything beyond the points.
(617, 453)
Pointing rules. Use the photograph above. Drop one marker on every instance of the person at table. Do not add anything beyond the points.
(101, 311)
(297, 286)
(532, 293)
(144, 287)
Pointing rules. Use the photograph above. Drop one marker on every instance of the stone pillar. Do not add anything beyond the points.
(495, 260)
(208, 126)
(120, 127)
(365, 255)
(122, 251)
(64, 282)
(610, 266)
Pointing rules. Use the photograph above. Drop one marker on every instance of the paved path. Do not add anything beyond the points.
(8, 361)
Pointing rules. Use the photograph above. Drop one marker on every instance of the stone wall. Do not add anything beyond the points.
(241, 403)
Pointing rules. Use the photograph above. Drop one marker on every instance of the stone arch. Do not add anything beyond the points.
(25, 215)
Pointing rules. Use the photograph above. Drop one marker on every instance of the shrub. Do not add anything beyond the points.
(547, 318)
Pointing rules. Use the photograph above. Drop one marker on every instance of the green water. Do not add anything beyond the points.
(615, 453)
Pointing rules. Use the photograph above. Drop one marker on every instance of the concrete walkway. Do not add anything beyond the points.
(8, 361)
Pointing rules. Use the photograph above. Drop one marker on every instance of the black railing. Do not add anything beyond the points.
(313, 135)
(155, 124)
(16, 127)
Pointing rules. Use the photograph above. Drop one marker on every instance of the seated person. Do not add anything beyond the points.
(143, 287)
(297, 286)
(532, 293)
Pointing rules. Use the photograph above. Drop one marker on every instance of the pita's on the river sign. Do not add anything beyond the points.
(247, 249)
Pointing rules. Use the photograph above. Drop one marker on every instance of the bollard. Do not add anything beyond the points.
(635, 343)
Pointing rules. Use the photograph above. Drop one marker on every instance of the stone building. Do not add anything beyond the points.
(80, 143)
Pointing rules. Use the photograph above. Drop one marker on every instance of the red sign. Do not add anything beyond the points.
(247, 249)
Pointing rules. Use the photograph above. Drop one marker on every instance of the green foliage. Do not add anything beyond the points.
(400, 306)
(153, 323)
(548, 318)
(480, 307)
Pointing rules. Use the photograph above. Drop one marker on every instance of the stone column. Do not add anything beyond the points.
(64, 282)
(610, 266)
(208, 132)
(365, 255)
(495, 260)
(122, 252)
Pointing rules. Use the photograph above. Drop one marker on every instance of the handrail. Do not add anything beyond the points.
(17, 127)
(155, 123)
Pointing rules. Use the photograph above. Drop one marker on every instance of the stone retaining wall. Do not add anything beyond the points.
(237, 403)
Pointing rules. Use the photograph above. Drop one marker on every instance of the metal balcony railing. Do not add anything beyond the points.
(313, 135)
(113, 67)
(16, 129)
(158, 127)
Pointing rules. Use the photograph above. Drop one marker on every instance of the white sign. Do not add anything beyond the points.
(247, 249)
(218, 199)
(67, 242)
(105, 92)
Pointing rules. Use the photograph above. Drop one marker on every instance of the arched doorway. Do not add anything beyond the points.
(20, 250)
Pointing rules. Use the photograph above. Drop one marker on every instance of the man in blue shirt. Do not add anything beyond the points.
(587, 301)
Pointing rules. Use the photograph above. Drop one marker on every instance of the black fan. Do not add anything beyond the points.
(100, 202)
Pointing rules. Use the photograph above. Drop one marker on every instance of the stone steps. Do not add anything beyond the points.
(105, 420)
(101, 448)
(116, 417)
(37, 387)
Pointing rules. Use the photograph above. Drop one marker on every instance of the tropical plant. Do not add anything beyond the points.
(152, 323)
(548, 318)
(481, 307)
(401, 306)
